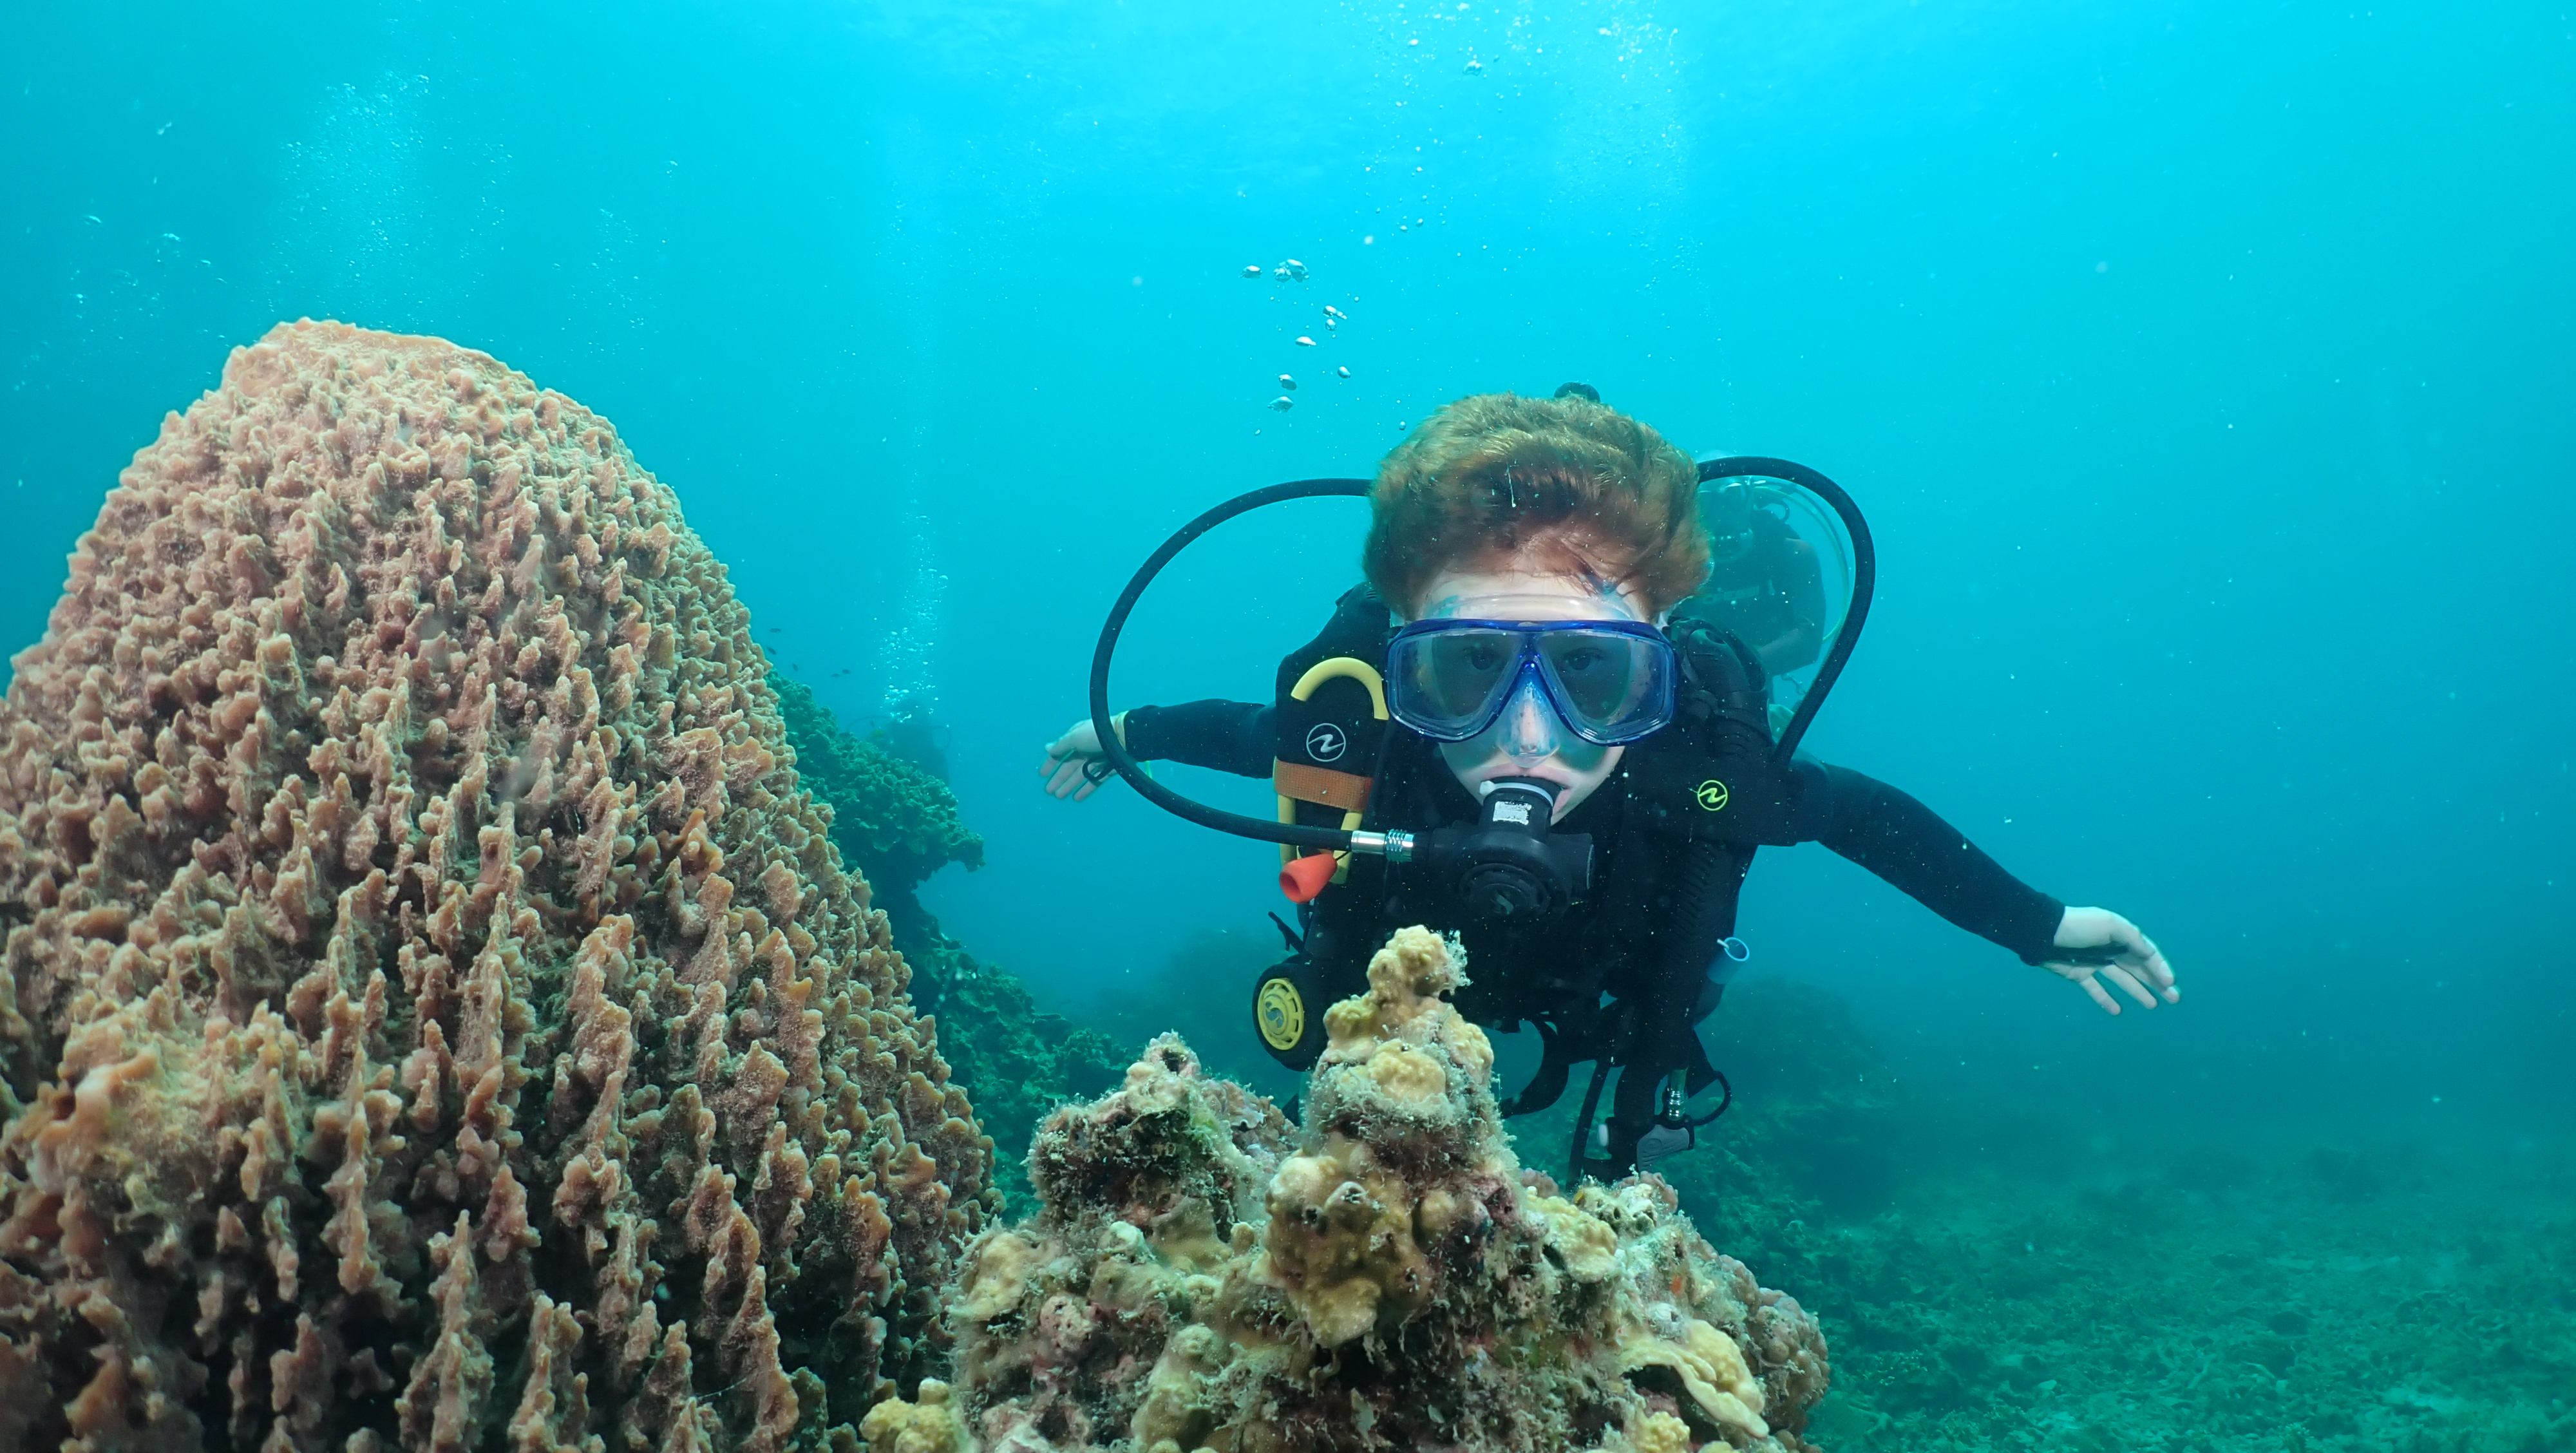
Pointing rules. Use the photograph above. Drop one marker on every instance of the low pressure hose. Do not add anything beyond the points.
(1396, 846)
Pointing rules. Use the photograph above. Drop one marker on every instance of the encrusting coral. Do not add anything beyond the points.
(1202, 1276)
(434, 1015)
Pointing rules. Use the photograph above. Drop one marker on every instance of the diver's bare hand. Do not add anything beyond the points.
(2140, 971)
(1074, 767)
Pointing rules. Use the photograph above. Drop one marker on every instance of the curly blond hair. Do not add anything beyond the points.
(1563, 485)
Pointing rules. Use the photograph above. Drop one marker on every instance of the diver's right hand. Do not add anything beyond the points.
(1074, 767)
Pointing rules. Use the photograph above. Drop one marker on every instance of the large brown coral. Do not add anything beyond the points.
(1201, 1277)
(434, 1016)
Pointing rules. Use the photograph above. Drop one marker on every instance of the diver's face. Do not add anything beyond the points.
(1529, 739)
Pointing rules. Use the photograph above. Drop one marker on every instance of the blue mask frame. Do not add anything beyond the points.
(1610, 682)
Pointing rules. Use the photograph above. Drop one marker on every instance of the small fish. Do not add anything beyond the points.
(1474, 66)
(1400, 227)
(1252, 269)
(1281, 274)
(1288, 382)
(92, 217)
(1283, 403)
(1345, 370)
(1305, 342)
(1332, 323)
(1332, 312)
(1295, 269)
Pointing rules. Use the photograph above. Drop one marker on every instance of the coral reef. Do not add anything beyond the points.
(900, 824)
(1202, 1276)
(1174, 996)
(434, 1015)
(892, 820)
(2252, 1306)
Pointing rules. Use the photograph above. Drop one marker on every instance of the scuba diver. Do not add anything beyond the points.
(1525, 743)
(1763, 582)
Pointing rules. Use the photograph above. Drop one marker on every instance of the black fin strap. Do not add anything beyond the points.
(1547, 1085)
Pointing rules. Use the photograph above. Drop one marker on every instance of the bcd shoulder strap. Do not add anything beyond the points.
(1710, 775)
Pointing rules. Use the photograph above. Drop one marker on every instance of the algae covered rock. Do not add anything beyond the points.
(435, 1016)
(1202, 1275)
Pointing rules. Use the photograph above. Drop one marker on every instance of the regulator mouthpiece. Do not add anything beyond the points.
(1509, 866)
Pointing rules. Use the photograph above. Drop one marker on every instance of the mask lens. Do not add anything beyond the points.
(1613, 685)
(1450, 681)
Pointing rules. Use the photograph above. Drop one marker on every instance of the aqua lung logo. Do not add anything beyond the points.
(1711, 795)
(1325, 742)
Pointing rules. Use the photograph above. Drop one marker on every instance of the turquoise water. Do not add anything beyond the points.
(2206, 371)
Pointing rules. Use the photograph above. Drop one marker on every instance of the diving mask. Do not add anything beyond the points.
(1609, 681)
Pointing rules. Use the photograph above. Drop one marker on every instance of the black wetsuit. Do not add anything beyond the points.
(1645, 861)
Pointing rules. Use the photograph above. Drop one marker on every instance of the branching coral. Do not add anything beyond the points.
(434, 1015)
(1200, 1276)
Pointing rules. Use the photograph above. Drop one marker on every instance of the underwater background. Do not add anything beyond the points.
(2206, 372)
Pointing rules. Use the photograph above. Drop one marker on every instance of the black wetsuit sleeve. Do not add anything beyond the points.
(1909, 845)
(1230, 736)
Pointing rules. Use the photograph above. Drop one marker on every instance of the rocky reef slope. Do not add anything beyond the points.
(434, 1015)
(1201, 1275)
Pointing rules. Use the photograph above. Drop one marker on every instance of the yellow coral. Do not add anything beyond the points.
(997, 1276)
(1406, 980)
(1711, 1368)
(928, 1426)
(1406, 1074)
(1660, 1433)
(1587, 1243)
(1341, 1239)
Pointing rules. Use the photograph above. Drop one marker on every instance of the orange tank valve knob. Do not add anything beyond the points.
(1306, 877)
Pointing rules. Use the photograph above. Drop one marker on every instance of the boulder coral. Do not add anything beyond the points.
(434, 1017)
(1201, 1276)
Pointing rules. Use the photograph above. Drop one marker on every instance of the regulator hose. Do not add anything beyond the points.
(1314, 839)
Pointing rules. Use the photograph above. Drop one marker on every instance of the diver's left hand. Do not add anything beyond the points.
(2139, 969)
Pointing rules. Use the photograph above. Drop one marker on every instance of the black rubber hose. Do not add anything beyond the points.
(1325, 839)
(1864, 577)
